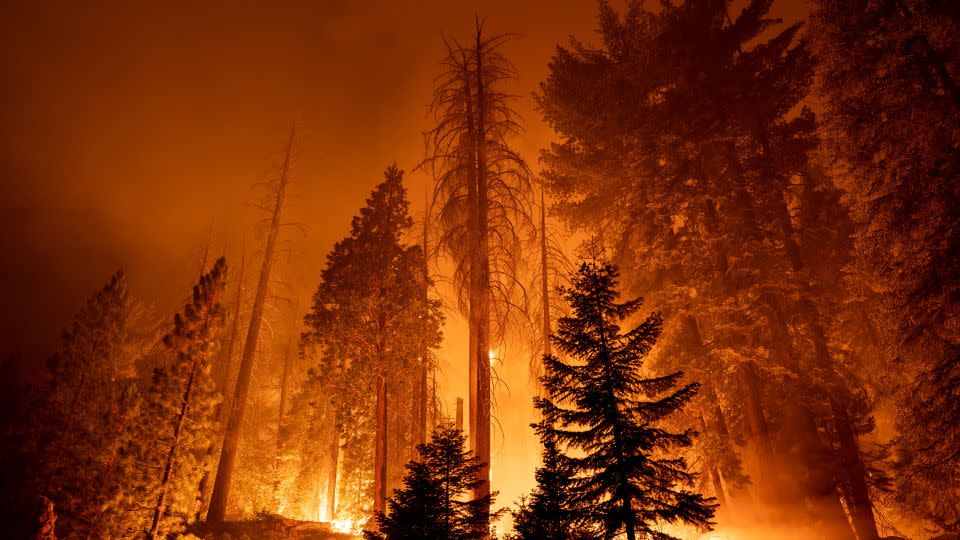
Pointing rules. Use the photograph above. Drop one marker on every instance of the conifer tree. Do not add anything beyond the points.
(415, 512)
(90, 402)
(165, 458)
(548, 513)
(437, 502)
(371, 320)
(891, 92)
(608, 417)
(682, 136)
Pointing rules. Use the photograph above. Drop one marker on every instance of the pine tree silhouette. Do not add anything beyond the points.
(606, 415)
(436, 501)
(547, 514)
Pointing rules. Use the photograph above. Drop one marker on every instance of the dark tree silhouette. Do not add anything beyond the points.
(436, 502)
(891, 126)
(607, 416)
(548, 513)
(481, 202)
(238, 404)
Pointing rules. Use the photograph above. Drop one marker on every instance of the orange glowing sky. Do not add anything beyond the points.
(129, 127)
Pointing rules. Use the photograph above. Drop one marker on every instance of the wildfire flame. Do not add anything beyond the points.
(347, 526)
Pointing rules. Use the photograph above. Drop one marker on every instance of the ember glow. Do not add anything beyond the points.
(621, 269)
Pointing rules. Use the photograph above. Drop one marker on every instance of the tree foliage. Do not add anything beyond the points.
(608, 416)
(436, 502)
(371, 315)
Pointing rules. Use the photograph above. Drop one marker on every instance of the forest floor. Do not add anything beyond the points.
(271, 527)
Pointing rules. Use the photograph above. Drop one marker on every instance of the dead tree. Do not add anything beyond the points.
(231, 439)
(481, 206)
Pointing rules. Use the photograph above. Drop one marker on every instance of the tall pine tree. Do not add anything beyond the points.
(608, 417)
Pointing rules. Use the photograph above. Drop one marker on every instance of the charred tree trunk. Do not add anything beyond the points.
(459, 414)
(380, 457)
(284, 376)
(544, 288)
(435, 409)
(231, 439)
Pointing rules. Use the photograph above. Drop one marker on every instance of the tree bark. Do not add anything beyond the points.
(544, 280)
(380, 457)
(284, 376)
(482, 359)
(231, 439)
(459, 414)
(759, 429)
(332, 474)
(422, 420)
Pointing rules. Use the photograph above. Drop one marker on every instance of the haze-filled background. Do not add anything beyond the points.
(133, 132)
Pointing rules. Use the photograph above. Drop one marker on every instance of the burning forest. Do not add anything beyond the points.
(677, 270)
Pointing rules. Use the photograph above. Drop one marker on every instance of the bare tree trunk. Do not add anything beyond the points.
(459, 414)
(435, 409)
(473, 209)
(161, 505)
(380, 458)
(859, 504)
(482, 412)
(421, 392)
(544, 287)
(332, 474)
(422, 412)
(231, 439)
(759, 429)
(284, 376)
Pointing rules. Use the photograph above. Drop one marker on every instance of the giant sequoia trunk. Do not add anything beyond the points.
(231, 439)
